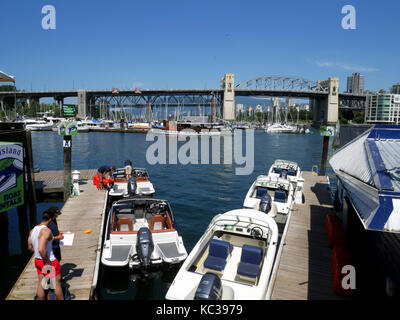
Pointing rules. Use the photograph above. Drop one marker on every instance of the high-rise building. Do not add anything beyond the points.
(239, 108)
(290, 102)
(395, 88)
(382, 108)
(355, 83)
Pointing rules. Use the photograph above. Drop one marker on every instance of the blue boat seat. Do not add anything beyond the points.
(291, 172)
(219, 250)
(280, 196)
(260, 192)
(278, 170)
(250, 261)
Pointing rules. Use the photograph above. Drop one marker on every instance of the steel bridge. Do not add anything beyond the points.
(267, 86)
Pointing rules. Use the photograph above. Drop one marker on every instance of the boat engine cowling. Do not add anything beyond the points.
(131, 186)
(210, 288)
(265, 203)
(144, 246)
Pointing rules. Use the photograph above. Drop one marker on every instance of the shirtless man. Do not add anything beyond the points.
(40, 241)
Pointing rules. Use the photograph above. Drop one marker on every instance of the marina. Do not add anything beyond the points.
(293, 278)
(301, 268)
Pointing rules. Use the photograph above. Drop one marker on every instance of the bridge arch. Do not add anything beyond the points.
(281, 83)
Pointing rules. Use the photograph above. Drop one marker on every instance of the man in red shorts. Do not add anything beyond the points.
(40, 241)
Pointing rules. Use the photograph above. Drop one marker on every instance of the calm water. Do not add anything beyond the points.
(196, 193)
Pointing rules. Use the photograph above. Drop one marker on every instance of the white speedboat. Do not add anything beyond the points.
(139, 184)
(141, 233)
(290, 171)
(82, 127)
(273, 196)
(38, 125)
(280, 128)
(233, 260)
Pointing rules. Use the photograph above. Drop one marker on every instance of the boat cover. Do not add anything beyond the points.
(369, 169)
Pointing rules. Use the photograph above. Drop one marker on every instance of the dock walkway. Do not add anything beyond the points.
(304, 272)
(78, 261)
(53, 181)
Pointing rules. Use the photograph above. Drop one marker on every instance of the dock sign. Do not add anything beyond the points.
(67, 128)
(327, 131)
(11, 175)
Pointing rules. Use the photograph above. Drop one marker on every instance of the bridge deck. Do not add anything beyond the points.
(78, 261)
(304, 271)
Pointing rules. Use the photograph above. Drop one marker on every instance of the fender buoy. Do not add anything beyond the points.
(333, 228)
(96, 181)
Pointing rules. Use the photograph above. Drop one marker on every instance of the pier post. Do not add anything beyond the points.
(67, 146)
(324, 157)
(30, 176)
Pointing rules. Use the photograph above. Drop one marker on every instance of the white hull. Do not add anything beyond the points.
(234, 228)
(125, 221)
(280, 128)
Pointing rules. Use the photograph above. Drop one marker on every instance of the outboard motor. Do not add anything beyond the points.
(265, 204)
(131, 186)
(210, 288)
(144, 246)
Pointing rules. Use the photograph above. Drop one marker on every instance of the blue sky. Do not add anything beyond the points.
(191, 44)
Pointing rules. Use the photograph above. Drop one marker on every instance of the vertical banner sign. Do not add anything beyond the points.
(11, 175)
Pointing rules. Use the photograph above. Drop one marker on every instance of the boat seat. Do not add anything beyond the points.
(157, 223)
(250, 260)
(218, 252)
(260, 192)
(280, 196)
(278, 170)
(141, 179)
(140, 212)
(124, 224)
(291, 172)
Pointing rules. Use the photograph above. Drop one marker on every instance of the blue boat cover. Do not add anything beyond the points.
(368, 167)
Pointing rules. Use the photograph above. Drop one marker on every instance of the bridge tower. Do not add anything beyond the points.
(326, 110)
(82, 104)
(228, 84)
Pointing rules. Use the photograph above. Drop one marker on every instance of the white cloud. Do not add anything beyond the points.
(345, 66)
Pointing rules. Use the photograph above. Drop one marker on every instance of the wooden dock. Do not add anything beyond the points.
(304, 272)
(53, 181)
(78, 261)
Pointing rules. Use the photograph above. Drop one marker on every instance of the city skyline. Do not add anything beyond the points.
(188, 45)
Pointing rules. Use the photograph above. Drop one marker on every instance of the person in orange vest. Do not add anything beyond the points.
(102, 173)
